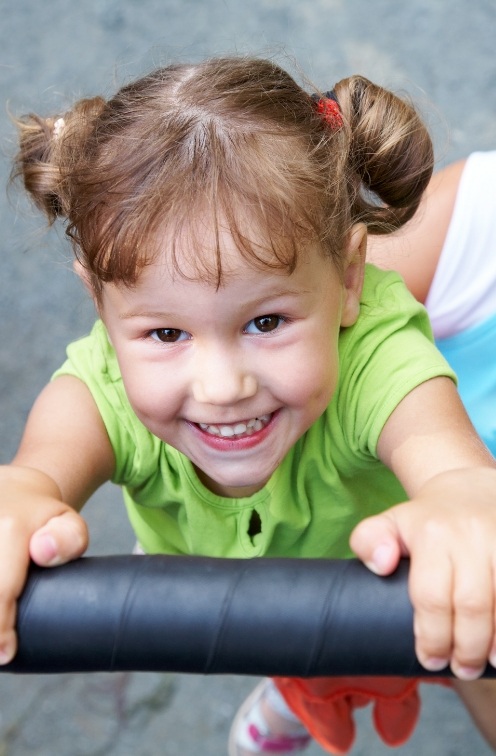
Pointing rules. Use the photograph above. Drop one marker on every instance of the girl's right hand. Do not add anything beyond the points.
(34, 525)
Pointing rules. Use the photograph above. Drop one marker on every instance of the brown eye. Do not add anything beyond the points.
(267, 323)
(168, 335)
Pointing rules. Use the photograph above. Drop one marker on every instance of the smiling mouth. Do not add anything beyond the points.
(237, 430)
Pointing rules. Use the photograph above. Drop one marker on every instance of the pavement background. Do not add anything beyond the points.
(442, 52)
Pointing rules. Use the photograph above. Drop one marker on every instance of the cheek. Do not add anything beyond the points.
(149, 396)
(141, 400)
(314, 378)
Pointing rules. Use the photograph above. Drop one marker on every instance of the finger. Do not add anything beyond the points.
(14, 562)
(63, 538)
(473, 601)
(430, 588)
(8, 638)
(376, 541)
(492, 650)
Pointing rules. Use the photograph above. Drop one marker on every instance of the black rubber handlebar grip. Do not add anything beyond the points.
(294, 617)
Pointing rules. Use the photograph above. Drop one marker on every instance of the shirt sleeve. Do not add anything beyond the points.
(92, 360)
(384, 356)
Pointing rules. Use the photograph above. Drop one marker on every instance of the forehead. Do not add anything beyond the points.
(242, 277)
(214, 248)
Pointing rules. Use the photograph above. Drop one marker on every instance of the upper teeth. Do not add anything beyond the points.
(237, 429)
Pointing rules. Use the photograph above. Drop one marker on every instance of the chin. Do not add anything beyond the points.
(232, 488)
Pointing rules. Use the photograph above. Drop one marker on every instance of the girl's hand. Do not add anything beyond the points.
(34, 524)
(448, 529)
(64, 456)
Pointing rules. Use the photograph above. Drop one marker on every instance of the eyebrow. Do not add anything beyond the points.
(277, 295)
(144, 314)
(252, 304)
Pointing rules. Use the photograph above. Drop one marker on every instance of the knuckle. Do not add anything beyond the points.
(473, 608)
(428, 600)
(432, 530)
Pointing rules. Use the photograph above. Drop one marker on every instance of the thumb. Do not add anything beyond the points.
(376, 541)
(60, 540)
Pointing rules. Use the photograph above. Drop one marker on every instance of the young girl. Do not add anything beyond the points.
(254, 389)
(446, 255)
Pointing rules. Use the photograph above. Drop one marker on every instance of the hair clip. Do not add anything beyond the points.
(328, 107)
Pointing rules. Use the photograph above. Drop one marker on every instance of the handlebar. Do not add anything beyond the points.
(290, 617)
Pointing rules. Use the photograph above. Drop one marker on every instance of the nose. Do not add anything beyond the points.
(220, 378)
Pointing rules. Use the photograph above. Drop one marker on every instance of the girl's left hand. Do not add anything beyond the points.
(448, 530)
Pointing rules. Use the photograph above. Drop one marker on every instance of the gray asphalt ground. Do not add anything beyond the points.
(441, 51)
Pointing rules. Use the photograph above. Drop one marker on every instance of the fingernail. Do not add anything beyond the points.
(381, 559)
(467, 673)
(492, 659)
(6, 654)
(49, 547)
(435, 664)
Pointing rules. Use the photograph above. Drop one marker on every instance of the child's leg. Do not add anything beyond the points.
(479, 698)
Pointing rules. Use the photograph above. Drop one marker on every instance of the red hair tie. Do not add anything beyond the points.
(328, 107)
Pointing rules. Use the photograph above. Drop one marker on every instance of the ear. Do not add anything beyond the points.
(353, 274)
(83, 274)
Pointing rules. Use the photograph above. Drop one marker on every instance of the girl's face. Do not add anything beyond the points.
(232, 376)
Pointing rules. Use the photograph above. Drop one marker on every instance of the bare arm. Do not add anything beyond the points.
(414, 250)
(65, 438)
(448, 528)
(429, 433)
(65, 454)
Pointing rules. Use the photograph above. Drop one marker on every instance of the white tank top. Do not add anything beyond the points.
(463, 290)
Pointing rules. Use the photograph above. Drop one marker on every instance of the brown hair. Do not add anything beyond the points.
(235, 141)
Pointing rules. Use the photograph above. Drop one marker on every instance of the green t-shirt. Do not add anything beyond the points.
(329, 481)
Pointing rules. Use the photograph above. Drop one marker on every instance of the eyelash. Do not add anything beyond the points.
(280, 319)
(153, 334)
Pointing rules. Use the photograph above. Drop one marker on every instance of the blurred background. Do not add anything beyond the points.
(442, 52)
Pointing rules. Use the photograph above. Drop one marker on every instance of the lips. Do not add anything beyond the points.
(236, 430)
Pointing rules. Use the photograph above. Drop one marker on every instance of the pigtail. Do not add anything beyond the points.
(48, 150)
(390, 154)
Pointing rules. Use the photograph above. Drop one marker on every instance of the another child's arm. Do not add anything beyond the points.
(448, 528)
(415, 249)
(64, 456)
